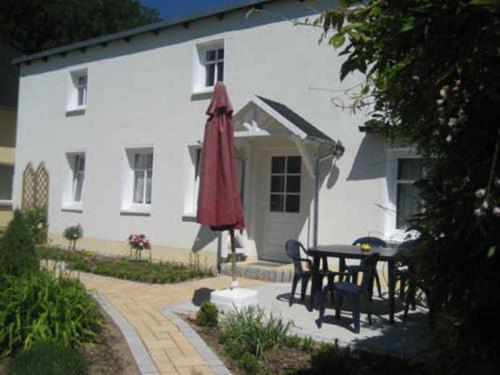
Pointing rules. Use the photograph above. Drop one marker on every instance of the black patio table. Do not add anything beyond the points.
(343, 252)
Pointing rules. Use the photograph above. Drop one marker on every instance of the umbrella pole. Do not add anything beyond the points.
(234, 281)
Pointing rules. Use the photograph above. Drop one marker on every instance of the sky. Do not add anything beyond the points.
(177, 8)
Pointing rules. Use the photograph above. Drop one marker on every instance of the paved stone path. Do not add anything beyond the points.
(139, 303)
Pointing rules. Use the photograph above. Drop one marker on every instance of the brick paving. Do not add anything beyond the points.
(170, 350)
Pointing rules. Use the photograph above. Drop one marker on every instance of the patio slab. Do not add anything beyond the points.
(404, 338)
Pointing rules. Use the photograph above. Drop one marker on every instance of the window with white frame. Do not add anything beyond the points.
(409, 170)
(193, 183)
(6, 180)
(143, 177)
(74, 185)
(78, 177)
(137, 188)
(209, 68)
(214, 66)
(78, 89)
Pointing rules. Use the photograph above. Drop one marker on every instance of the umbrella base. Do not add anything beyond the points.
(237, 298)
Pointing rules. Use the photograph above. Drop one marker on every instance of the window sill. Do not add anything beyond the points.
(6, 203)
(136, 210)
(74, 111)
(203, 90)
(189, 216)
(73, 207)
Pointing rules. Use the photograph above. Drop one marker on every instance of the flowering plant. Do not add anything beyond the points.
(139, 241)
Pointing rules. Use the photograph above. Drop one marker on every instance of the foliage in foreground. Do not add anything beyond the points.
(123, 268)
(44, 307)
(349, 361)
(17, 250)
(208, 315)
(433, 82)
(45, 358)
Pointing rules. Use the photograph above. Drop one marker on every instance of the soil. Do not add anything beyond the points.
(111, 356)
(285, 361)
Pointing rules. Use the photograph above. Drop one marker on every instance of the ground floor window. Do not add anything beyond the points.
(143, 177)
(6, 180)
(78, 177)
(408, 202)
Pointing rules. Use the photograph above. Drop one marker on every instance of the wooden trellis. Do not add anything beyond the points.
(42, 186)
(29, 187)
(35, 186)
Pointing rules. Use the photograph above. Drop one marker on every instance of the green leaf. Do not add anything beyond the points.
(337, 40)
(483, 2)
(491, 251)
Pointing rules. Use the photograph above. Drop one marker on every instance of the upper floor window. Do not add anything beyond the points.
(77, 96)
(214, 66)
(6, 179)
(209, 66)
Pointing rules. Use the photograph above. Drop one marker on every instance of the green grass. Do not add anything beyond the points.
(123, 268)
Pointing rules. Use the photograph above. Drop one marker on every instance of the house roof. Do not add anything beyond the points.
(9, 77)
(154, 27)
(305, 126)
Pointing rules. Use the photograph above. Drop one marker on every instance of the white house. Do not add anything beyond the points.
(118, 121)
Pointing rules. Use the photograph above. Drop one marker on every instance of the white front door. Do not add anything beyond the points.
(283, 189)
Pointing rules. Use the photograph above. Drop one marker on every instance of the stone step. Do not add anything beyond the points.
(259, 273)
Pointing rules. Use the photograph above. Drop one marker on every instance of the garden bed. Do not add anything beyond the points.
(124, 268)
(253, 344)
(111, 355)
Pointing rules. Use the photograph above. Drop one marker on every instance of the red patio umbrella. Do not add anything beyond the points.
(219, 199)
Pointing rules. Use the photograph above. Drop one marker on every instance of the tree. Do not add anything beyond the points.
(432, 73)
(34, 25)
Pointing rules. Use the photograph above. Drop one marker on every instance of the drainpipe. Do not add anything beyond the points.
(315, 202)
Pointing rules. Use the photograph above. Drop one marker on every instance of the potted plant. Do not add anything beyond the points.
(138, 243)
(73, 234)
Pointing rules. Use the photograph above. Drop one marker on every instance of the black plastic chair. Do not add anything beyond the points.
(406, 275)
(373, 242)
(353, 292)
(292, 248)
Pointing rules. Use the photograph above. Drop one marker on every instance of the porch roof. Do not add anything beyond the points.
(296, 119)
(257, 116)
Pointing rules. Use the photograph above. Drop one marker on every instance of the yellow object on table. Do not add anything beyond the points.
(365, 248)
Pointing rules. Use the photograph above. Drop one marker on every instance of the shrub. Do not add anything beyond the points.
(254, 332)
(249, 363)
(42, 307)
(17, 250)
(308, 344)
(73, 234)
(36, 221)
(48, 358)
(208, 315)
(293, 341)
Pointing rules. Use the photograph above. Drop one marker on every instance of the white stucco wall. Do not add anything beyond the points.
(140, 94)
